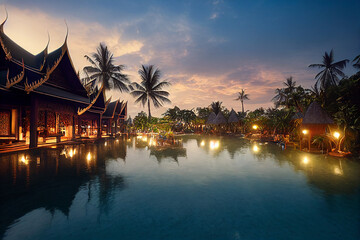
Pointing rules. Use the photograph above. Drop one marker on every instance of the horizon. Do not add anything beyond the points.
(208, 50)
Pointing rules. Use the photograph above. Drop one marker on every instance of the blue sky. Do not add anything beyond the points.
(209, 50)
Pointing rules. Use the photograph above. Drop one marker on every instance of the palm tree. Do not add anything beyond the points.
(103, 71)
(216, 107)
(356, 62)
(150, 88)
(242, 96)
(280, 97)
(331, 70)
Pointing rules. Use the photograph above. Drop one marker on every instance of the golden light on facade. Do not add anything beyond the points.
(88, 156)
(336, 135)
(24, 160)
(305, 131)
(214, 144)
(202, 143)
(255, 126)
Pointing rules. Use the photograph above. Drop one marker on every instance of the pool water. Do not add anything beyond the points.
(203, 188)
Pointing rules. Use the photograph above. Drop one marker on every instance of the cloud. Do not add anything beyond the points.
(214, 16)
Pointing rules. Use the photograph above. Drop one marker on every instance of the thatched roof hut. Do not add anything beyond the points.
(316, 120)
(220, 119)
(233, 118)
(211, 118)
(315, 114)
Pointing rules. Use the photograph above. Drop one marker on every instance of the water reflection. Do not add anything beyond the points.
(223, 169)
(50, 179)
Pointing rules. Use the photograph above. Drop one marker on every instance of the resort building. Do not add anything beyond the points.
(43, 100)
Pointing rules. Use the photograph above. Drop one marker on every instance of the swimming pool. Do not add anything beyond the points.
(203, 188)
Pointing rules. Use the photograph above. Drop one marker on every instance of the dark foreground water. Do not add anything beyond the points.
(210, 188)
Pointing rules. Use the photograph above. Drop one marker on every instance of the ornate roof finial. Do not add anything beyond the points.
(2, 24)
(67, 32)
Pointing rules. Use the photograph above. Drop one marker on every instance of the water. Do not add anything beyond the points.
(210, 188)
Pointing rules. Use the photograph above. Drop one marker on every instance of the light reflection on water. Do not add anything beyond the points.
(198, 188)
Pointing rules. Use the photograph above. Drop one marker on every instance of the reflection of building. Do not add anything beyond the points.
(42, 98)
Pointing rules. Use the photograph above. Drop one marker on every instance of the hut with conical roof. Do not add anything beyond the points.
(233, 118)
(211, 118)
(220, 119)
(316, 120)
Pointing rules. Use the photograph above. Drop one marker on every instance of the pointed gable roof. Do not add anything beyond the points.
(110, 110)
(220, 119)
(97, 104)
(211, 118)
(51, 74)
(233, 118)
(315, 114)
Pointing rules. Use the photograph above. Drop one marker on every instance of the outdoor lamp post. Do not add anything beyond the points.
(306, 132)
(337, 137)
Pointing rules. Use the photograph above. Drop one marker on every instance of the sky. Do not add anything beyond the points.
(207, 49)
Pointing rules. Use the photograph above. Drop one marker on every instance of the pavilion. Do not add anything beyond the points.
(42, 97)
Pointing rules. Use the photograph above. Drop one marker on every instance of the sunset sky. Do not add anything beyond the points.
(208, 50)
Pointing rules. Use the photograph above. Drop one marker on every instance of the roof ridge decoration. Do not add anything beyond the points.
(2, 24)
(45, 51)
(16, 79)
(82, 111)
(49, 70)
(123, 106)
(106, 104)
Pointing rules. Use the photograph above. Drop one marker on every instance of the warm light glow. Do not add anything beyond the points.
(336, 135)
(256, 148)
(152, 142)
(74, 151)
(105, 144)
(305, 131)
(24, 160)
(71, 153)
(338, 171)
(117, 140)
(255, 127)
(88, 156)
(202, 143)
(144, 139)
(305, 160)
(214, 144)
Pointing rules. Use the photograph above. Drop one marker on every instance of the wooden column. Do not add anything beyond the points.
(34, 115)
(116, 121)
(99, 126)
(20, 137)
(73, 128)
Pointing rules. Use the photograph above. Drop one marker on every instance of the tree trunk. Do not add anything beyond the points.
(242, 105)
(149, 117)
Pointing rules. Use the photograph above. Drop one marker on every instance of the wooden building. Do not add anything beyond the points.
(42, 97)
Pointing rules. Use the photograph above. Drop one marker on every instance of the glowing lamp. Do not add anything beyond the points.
(336, 135)
(214, 144)
(256, 148)
(88, 156)
(305, 160)
(305, 131)
(202, 143)
(255, 127)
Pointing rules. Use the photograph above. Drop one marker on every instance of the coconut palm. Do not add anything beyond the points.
(150, 88)
(103, 71)
(280, 97)
(331, 70)
(356, 62)
(242, 96)
(216, 107)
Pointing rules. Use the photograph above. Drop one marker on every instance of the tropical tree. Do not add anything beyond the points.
(329, 76)
(103, 71)
(356, 62)
(151, 88)
(216, 107)
(241, 97)
(173, 114)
